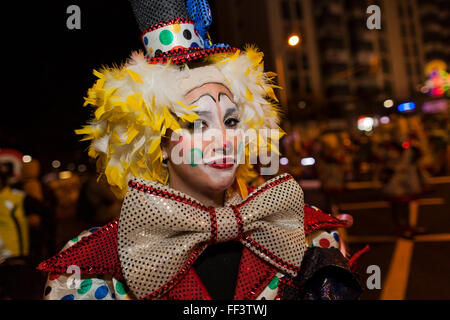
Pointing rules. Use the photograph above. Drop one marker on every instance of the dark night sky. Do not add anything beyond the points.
(49, 69)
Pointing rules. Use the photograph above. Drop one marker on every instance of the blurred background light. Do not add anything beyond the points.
(284, 161)
(385, 120)
(365, 124)
(64, 175)
(388, 103)
(302, 105)
(308, 161)
(407, 106)
(27, 159)
(56, 164)
(294, 40)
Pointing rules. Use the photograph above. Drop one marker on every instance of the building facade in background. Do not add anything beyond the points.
(341, 69)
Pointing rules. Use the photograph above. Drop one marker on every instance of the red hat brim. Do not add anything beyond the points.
(178, 56)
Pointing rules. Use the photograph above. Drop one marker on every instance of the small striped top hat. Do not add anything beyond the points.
(176, 30)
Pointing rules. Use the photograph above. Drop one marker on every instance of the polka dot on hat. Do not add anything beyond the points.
(166, 37)
(187, 34)
(175, 28)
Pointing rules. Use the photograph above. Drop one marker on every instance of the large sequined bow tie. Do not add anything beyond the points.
(163, 231)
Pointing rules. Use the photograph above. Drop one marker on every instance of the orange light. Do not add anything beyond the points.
(294, 40)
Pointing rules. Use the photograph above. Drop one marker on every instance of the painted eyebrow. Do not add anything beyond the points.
(229, 112)
(205, 95)
(224, 94)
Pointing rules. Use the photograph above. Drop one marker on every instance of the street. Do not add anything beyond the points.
(410, 269)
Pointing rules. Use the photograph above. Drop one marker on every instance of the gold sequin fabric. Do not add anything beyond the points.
(162, 231)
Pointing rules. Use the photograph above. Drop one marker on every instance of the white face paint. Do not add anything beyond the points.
(208, 147)
(219, 130)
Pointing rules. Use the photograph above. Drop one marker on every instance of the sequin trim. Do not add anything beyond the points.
(273, 257)
(213, 217)
(177, 56)
(239, 222)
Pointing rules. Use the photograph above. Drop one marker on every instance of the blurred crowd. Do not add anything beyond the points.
(343, 154)
(40, 213)
(397, 155)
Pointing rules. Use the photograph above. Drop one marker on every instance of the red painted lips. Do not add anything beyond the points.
(222, 164)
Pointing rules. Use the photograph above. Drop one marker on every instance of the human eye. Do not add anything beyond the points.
(199, 123)
(232, 122)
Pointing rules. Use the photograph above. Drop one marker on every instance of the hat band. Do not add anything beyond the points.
(171, 36)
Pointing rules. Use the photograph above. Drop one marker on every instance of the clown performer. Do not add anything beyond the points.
(177, 134)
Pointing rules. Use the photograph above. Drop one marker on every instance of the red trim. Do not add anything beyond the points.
(259, 287)
(239, 222)
(266, 187)
(178, 56)
(273, 257)
(165, 24)
(167, 286)
(213, 217)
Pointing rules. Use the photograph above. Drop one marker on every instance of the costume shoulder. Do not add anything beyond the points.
(93, 253)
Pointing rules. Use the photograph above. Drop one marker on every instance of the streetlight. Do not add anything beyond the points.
(56, 164)
(27, 159)
(388, 103)
(294, 40)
